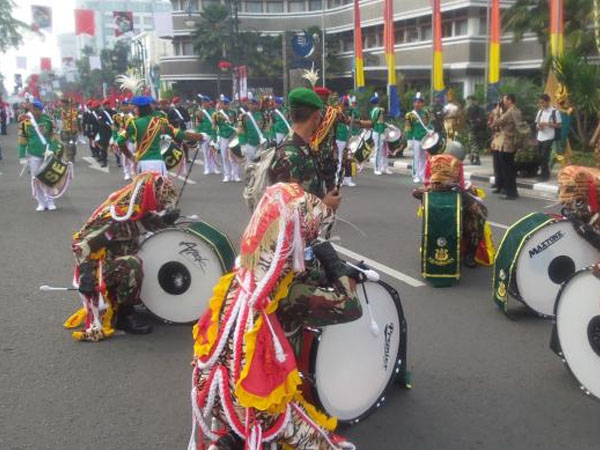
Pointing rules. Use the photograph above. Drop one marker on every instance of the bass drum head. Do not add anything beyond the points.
(180, 270)
(354, 368)
(578, 327)
(548, 258)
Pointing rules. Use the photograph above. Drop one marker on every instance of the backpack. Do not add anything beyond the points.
(256, 177)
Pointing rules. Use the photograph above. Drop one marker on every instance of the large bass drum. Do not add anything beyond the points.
(181, 267)
(536, 255)
(577, 329)
(348, 368)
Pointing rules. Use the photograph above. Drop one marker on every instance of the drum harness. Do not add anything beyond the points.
(429, 130)
(261, 137)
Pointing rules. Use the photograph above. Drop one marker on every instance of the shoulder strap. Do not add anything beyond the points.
(37, 129)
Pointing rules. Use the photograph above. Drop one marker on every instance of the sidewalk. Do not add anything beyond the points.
(484, 173)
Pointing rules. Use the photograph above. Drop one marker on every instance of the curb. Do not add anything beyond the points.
(546, 188)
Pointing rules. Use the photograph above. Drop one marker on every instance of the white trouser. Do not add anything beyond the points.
(250, 152)
(381, 159)
(231, 169)
(419, 161)
(279, 138)
(152, 165)
(128, 166)
(210, 165)
(40, 191)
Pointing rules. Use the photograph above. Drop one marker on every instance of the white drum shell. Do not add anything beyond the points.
(577, 304)
(173, 245)
(558, 239)
(353, 367)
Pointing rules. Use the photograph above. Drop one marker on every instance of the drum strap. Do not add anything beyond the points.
(205, 112)
(225, 116)
(287, 124)
(178, 113)
(420, 120)
(108, 117)
(36, 127)
(261, 137)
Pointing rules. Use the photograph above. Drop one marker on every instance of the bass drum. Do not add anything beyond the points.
(537, 255)
(348, 368)
(577, 312)
(181, 266)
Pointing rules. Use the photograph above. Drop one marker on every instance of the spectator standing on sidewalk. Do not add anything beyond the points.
(496, 145)
(507, 123)
(547, 123)
(476, 121)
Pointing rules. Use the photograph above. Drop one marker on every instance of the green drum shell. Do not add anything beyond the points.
(217, 240)
(52, 171)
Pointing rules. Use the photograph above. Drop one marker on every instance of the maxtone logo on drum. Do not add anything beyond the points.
(189, 249)
(547, 243)
(388, 332)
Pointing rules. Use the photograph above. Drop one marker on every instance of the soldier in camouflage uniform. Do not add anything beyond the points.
(109, 274)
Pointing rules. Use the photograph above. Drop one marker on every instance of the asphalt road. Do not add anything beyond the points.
(481, 381)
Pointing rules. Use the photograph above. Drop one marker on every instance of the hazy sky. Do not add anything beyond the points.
(63, 21)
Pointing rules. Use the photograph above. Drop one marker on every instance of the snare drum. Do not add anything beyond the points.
(432, 143)
(537, 255)
(181, 267)
(235, 149)
(576, 335)
(171, 153)
(347, 368)
(393, 137)
(52, 171)
(362, 145)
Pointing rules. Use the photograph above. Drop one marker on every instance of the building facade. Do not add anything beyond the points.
(464, 30)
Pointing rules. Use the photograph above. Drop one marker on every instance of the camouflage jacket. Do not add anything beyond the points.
(295, 162)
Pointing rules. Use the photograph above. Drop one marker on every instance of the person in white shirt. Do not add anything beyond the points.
(547, 123)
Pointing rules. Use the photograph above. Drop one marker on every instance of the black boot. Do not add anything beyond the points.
(470, 260)
(130, 322)
(477, 160)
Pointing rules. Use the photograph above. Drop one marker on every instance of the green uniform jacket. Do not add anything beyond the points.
(355, 113)
(376, 116)
(225, 129)
(136, 129)
(251, 133)
(29, 141)
(279, 124)
(205, 124)
(413, 129)
(342, 132)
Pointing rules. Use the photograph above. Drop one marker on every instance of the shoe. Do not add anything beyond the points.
(349, 183)
(377, 172)
(477, 161)
(40, 207)
(206, 172)
(51, 207)
(509, 197)
(226, 179)
(217, 172)
(416, 180)
(496, 191)
(237, 179)
(127, 177)
(388, 172)
(104, 164)
(470, 261)
(132, 323)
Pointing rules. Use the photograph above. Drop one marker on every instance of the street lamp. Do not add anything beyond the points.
(189, 22)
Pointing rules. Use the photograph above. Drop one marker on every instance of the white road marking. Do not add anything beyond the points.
(498, 225)
(380, 267)
(182, 178)
(94, 164)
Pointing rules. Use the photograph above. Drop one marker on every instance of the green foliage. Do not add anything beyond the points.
(168, 93)
(527, 94)
(214, 36)
(10, 28)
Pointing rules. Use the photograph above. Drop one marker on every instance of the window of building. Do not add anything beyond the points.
(483, 24)
(206, 3)
(411, 34)
(136, 19)
(348, 42)
(177, 48)
(461, 26)
(426, 32)
(446, 28)
(315, 5)
(148, 21)
(254, 7)
(188, 48)
(275, 7)
(335, 3)
(296, 6)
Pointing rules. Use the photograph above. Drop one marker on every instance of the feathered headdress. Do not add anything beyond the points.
(130, 82)
(311, 75)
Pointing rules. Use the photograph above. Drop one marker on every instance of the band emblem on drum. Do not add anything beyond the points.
(547, 243)
(191, 252)
(441, 254)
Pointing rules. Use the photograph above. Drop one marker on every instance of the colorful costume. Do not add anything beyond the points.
(245, 373)
(108, 274)
(69, 130)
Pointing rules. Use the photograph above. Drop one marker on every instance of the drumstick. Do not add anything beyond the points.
(187, 175)
(369, 273)
(46, 288)
(373, 327)
(23, 170)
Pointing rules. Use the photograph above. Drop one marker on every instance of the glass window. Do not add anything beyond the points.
(348, 42)
(446, 28)
(206, 3)
(314, 5)
(296, 6)
(426, 32)
(254, 7)
(334, 3)
(188, 48)
(461, 26)
(275, 7)
(412, 34)
(177, 48)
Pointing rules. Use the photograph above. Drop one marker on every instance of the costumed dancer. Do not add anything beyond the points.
(206, 125)
(105, 124)
(415, 128)
(146, 131)
(69, 130)
(246, 383)
(108, 272)
(445, 173)
(380, 165)
(36, 143)
(225, 120)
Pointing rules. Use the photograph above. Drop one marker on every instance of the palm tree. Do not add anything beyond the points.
(214, 37)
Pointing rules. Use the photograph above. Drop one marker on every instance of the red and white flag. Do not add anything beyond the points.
(84, 22)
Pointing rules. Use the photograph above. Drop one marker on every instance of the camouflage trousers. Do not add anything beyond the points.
(472, 227)
(476, 141)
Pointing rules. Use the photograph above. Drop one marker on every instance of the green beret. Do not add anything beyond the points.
(305, 97)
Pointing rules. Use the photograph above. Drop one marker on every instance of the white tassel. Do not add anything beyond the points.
(113, 212)
(279, 353)
(298, 245)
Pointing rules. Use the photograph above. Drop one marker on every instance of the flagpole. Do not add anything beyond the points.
(432, 51)
(323, 38)
(487, 54)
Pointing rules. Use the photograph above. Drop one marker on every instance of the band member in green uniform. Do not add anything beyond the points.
(415, 128)
(225, 120)
(206, 125)
(377, 118)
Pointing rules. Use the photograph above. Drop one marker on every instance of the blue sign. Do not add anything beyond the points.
(303, 45)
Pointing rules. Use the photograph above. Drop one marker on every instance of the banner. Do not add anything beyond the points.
(21, 62)
(84, 22)
(95, 63)
(556, 27)
(359, 66)
(438, 59)
(163, 23)
(46, 64)
(240, 82)
(390, 57)
(122, 22)
(41, 18)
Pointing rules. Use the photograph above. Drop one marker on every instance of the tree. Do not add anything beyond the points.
(214, 36)
(10, 28)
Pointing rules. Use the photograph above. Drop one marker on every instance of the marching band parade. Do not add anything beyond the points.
(293, 338)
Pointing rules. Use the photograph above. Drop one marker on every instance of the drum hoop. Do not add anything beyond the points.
(212, 245)
(564, 285)
(401, 356)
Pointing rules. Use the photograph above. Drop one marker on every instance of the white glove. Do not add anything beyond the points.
(48, 153)
(22, 161)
